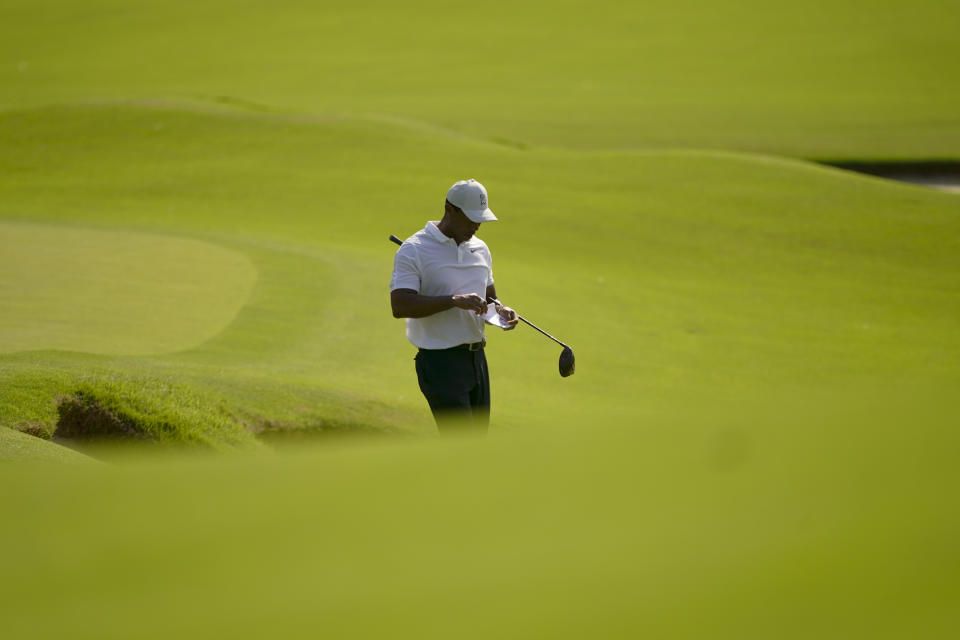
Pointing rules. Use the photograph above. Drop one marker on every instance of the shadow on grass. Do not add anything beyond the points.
(936, 174)
(280, 434)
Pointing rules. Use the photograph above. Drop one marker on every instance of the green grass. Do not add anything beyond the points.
(758, 441)
(732, 316)
(62, 290)
(20, 447)
(716, 272)
(788, 517)
(821, 79)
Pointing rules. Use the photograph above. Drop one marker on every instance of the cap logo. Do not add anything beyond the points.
(483, 200)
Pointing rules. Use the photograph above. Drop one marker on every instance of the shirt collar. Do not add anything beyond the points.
(434, 232)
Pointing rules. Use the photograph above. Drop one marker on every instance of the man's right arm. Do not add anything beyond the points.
(407, 303)
(405, 300)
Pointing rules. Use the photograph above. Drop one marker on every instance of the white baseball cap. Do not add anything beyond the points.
(471, 197)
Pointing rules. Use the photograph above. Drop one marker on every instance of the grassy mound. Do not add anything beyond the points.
(176, 415)
(88, 402)
(168, 414)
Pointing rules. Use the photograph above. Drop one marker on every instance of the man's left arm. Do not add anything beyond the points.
(509, 315)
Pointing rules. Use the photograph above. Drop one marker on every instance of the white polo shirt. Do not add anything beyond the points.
(432, 264)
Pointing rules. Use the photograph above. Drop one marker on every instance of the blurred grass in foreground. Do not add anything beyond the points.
(799, 518)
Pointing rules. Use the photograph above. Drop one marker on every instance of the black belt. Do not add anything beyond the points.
(470, 346)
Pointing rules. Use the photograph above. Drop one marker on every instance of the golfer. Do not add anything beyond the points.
(442, 277)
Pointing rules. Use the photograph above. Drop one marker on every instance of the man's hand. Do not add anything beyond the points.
(509, 316)
(470, 302)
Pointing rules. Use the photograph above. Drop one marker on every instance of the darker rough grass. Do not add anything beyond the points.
(35, 429)
(83, 418)
(284, 433)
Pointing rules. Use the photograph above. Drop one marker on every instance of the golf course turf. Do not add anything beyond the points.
(759, 440)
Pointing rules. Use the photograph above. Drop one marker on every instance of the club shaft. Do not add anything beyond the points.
(491, 299)
(540, 330)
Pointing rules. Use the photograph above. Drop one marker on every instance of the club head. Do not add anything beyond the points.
(567, 362)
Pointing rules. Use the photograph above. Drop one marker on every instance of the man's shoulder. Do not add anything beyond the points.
(412, 244)
(420, 238)
(416, 247)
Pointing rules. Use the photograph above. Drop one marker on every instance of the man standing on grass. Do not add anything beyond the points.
(442, 277)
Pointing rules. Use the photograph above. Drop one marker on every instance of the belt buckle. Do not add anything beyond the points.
(476, 346)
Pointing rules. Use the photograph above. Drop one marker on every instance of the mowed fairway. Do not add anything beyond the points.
(112, 292)
(759, 440)
(672, 273)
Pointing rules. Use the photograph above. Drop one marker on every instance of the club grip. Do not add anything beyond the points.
(395, 239)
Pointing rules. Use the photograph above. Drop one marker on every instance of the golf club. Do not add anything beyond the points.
(567, 361)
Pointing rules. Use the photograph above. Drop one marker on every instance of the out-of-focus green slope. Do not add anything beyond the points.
(822, 79)
(787, 517)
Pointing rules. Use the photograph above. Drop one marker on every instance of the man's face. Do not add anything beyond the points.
(462, 227)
